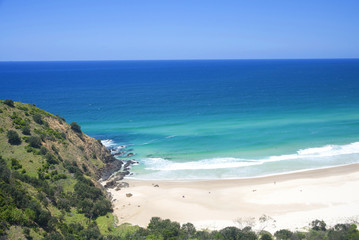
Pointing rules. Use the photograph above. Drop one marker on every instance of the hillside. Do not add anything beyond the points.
(49, 171)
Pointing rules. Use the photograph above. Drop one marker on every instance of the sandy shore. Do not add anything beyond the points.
(290, 200)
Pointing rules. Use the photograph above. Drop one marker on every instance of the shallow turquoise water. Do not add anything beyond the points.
(204, 119)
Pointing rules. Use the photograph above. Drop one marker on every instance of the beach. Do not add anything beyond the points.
(288, 201)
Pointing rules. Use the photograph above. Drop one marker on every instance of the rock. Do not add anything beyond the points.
(129, 163)
(156, 185)
(122, 185)
(128, 194)
(110, 168)
(110, 184)
(130, 155)
(118, 153)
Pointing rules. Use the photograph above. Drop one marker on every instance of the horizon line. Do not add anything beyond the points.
(194, 59)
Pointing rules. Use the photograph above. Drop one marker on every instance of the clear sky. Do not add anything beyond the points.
(177, 29)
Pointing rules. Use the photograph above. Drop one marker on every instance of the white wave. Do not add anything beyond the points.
(215, 163)
(149, 142)
(325, 151)
(108, 143)
(161, 164)
(171, 136)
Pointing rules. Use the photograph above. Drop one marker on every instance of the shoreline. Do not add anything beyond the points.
(289, 200)
(129, 178)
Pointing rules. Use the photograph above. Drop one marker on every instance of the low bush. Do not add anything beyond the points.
(9, 102)
(13, 137)
(26, 130)
(37, 118)
(34, 141)
(76, 127)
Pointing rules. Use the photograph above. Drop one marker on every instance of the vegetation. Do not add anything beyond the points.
(75, 127)
(13, 137)
(9, 102)
(166, 229)
(34, 141)
(37, 118)
(26, 130)
(43, 191)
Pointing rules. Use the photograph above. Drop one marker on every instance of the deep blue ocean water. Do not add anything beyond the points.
(204, 119)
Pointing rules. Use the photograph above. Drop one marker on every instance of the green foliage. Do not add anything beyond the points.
(9, 102)
(49, 134)
(34, 141)
(43, 150)
(38, 118)
(13, 137)
(26, 130)
(266, 236)
(283, 234)
(23, 108)
(75, 127)
(15, 164)
(318, 225)
(51, 159)
(53, 147)
(18, 122)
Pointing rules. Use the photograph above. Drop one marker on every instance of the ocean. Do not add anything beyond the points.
(204, 119)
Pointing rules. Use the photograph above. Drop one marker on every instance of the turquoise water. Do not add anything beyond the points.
(204, 119)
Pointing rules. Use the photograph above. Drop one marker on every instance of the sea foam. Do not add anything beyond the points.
(160, 164)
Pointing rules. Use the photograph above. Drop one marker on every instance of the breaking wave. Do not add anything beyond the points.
(161, 164)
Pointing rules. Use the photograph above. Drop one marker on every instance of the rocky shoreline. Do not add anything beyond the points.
(116, 170)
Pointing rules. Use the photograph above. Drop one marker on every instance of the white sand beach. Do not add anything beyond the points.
(291, 201)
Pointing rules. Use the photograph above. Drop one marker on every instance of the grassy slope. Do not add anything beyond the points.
(66, 145)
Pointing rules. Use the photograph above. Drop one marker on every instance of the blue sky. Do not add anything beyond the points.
(193, 29)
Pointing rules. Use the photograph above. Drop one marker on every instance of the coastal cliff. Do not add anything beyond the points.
(49, 176)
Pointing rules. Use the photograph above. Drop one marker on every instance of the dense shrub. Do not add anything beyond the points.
(266, 236)
(43, 150)
(13, 137)
(15, 164)
(37, 118)
(75, 127)
(26, 130)
(9, 102)
(34, 141)
(53, 147)
(283, 234)
(51, 159)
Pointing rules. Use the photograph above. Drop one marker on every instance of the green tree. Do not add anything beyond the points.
(283, 234)
(13, 137)
(318, 225)
(266, 236)
(35, 141)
